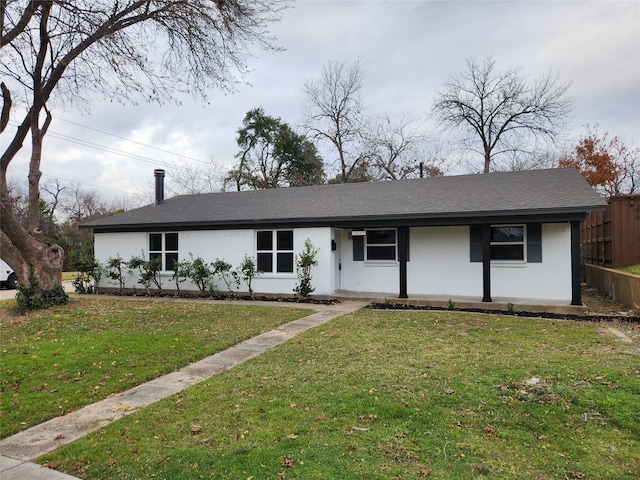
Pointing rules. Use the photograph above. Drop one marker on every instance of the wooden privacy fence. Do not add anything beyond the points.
(612, 237)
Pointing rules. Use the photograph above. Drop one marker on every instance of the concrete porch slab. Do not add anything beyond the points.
(499, 304)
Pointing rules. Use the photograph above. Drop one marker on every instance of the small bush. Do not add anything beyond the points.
(200, 273)
(223, 271)
(89, 274)
(181, 272)
(149, 271)
(304, 262)
(115, 270)
(248, 271)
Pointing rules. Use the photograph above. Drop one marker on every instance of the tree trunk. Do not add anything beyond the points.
(33, 255)
(24, 249)
(487, 160)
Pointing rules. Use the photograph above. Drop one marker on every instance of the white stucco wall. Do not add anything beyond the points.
(125, 245)
(549, 280)
(374, 277)
(228, 245)
(439, 263)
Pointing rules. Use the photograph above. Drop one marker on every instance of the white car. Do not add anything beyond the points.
(8, 277)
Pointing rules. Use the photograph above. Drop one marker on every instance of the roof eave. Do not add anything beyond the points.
(551, 215)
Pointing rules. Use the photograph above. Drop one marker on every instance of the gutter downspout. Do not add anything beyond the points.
(576, 293)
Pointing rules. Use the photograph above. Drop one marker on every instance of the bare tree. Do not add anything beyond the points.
(69, 52)
(397, 149)
(334, 114)
(82, 204)
(55, 189)
(500, 111)
(18, 200)
(187, 178)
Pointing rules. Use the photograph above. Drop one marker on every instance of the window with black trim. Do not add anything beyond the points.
(507, 242)
(165, 247)
(381, 245)
(274, 251)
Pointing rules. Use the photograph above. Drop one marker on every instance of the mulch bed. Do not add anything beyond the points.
(588, 317)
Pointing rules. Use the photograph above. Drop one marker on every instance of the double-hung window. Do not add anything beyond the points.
(508, 242)
(516, 243)
(275, 251)
(375, 245)
(381, 245)
(164, 246)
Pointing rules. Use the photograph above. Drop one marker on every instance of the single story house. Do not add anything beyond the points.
(509, 235)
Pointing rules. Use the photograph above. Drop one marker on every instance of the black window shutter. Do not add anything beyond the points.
(534, 243)
(476, 242)
(358, 249)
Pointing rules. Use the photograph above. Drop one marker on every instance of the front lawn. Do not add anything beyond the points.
(397, 395)
(68, 276)
(58, 360)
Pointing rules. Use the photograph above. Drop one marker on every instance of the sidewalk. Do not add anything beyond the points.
(17, 451)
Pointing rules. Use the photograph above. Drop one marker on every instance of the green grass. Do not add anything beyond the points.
(394, 395)
(632, 269)
(58, 360)
(69, 276)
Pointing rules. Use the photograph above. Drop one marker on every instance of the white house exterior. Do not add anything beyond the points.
(508, 235)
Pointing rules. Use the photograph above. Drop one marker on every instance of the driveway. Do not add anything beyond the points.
(7, 294)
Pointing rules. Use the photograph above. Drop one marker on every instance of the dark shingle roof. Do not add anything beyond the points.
(437, 200)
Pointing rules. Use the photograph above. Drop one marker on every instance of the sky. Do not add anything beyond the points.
(407, 50)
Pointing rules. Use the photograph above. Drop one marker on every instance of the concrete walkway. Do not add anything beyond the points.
(17, 451)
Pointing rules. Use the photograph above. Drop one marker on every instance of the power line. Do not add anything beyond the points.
(132, 141)
(97, 146)
(114, 151)
(78, 182)
(120, 137)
